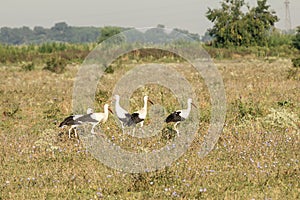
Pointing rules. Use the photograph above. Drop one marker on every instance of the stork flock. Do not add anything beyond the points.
(126, 119)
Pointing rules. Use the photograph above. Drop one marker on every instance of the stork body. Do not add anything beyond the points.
(96, 118)
(91, 118)
(123, 115)
(140, 115)
(180, 115)
(73, 122)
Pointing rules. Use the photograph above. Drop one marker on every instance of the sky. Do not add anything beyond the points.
(187, 14)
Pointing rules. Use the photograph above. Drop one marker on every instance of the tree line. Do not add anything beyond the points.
(60, 32)
(236, 27)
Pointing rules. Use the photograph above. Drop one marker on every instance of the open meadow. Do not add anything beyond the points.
(256, 157)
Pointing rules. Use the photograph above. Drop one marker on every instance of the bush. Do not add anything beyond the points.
(246, 109)
(296, 39)
(296, 62)
(294, 72)
(28, 66)
(277, 39)
(56, 65)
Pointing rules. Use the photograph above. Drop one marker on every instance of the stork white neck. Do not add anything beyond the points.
(145, 102)
(106, 109)
(189, 102)
(117, 98)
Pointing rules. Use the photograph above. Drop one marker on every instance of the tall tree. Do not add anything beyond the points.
(233, 27)
(109, 31)
(260, 20)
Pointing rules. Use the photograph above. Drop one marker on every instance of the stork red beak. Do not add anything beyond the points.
(150, 102)
(194, 105)
(110, 111)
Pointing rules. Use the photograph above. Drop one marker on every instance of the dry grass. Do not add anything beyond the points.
(257, 156)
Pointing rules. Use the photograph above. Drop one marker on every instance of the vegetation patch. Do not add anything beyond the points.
(56, 65)
(255, 157)
(296, 62)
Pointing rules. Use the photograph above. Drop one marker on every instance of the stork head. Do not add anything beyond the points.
(117, 97)
(106, 107)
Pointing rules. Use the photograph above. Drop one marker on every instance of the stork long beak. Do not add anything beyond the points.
(110, 111)
(194, 105)
(150, 102)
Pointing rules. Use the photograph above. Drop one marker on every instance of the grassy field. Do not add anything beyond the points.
(256, 157)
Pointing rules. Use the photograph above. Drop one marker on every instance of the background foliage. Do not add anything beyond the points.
(59, 32)
(233, 27)
(296, 39)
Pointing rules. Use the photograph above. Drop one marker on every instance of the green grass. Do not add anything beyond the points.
(281, 51)
(39, 54)
(256, 157)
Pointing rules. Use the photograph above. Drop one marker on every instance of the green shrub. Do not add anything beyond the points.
(109, 70)
(277, 39)
(296, 39)
(56, 65)
(296, 62)
(246, 109)
(294, 72)
(28, 66)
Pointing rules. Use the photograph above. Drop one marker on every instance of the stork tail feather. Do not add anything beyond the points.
(67, 121)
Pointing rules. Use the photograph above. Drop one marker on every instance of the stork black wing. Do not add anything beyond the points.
(134, 119)
(126, 119)
(174, 117)
(86, 118)
(69, 121)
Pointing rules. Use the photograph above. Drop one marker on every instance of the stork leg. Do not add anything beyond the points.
(70, 132)
(76, 136)
(92, 131)
(123, 128)
(175, 127)
(142, 124)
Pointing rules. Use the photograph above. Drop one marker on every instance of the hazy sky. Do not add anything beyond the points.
(187, 14)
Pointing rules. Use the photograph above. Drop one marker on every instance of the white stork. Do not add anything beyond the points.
(91, 118)
(180, 115)
(140, 115)
(123, 115)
